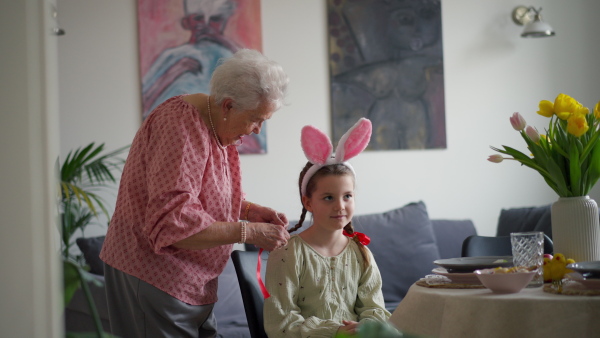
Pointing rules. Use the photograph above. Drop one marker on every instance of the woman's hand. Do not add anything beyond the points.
(349, 328)
(258, 213)
(266, 235)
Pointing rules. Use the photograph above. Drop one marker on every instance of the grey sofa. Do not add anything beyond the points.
(404, 242)
(525, 219)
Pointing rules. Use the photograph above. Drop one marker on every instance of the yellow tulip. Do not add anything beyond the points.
(577, 125)
(546, 108)
(582, 110)
(564, 106)
(597, 110)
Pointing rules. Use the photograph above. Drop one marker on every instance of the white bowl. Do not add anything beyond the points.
(504, 282)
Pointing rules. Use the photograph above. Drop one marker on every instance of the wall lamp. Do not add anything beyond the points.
(532, 20)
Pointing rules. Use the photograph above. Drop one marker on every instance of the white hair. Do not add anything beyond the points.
(249, 79)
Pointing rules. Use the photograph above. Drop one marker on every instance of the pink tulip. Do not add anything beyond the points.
(533, 134)
(518, 122)
(496, 158)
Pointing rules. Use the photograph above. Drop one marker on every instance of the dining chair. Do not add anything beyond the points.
(245, 263)
(476, 245)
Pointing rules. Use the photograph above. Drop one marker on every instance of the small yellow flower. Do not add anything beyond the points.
(577, 125)
(582, 110)
(597, 110)
(546, 108)
(546, 140)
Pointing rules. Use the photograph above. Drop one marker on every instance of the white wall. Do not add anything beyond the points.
(31, 294)
(99, 79)
(490, 72)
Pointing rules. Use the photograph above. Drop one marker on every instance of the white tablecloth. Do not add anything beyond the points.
(480, 313)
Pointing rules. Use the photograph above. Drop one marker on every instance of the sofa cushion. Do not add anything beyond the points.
(404, 246)
(90, 248)
(525, 219)
(450, 234)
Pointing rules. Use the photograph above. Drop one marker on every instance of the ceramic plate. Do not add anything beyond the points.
(587, 269)
(470, 264)
(593, 283)
(458, 277)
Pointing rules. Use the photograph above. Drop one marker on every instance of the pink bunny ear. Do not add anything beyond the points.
(316, 145)
(354, 141)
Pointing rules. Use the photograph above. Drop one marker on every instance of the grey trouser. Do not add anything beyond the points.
(138, 309)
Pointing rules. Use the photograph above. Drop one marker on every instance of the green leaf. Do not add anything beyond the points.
(594, 170)
(591, 144)
(575, 169)
(71, 280)
(75, 277)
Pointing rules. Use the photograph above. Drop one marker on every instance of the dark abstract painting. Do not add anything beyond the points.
(386, 64)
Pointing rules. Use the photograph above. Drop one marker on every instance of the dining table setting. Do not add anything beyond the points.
(491, 296)
(529, 292)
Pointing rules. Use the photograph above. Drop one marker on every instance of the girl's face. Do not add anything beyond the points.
(332, 202)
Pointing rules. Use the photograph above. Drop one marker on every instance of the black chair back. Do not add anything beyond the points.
(245, 269)
(495, 246)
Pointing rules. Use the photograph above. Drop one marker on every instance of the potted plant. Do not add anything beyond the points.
(84, 175)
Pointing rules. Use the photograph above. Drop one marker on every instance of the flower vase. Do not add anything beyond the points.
(576, 228)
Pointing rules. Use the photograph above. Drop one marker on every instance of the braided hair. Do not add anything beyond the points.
(338, 169)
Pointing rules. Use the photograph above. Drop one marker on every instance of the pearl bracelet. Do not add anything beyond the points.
(243, 228)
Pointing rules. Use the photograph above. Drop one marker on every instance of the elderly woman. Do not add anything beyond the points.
(180, 203)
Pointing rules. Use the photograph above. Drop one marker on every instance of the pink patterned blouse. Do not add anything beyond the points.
(176, 182)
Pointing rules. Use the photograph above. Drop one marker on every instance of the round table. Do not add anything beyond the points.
(440, 312)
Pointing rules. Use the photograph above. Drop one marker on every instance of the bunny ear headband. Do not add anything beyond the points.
(318, 148)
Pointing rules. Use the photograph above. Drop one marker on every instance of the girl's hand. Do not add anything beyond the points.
(258, 213)
(349, 328)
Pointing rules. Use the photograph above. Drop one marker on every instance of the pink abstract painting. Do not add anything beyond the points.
(181, 42)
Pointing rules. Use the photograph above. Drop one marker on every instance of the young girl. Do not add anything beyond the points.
(325, 281)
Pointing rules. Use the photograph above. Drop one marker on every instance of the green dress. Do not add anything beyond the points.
(311, 294)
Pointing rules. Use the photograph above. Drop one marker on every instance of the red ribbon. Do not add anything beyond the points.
(258, 277)
(362, 238)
